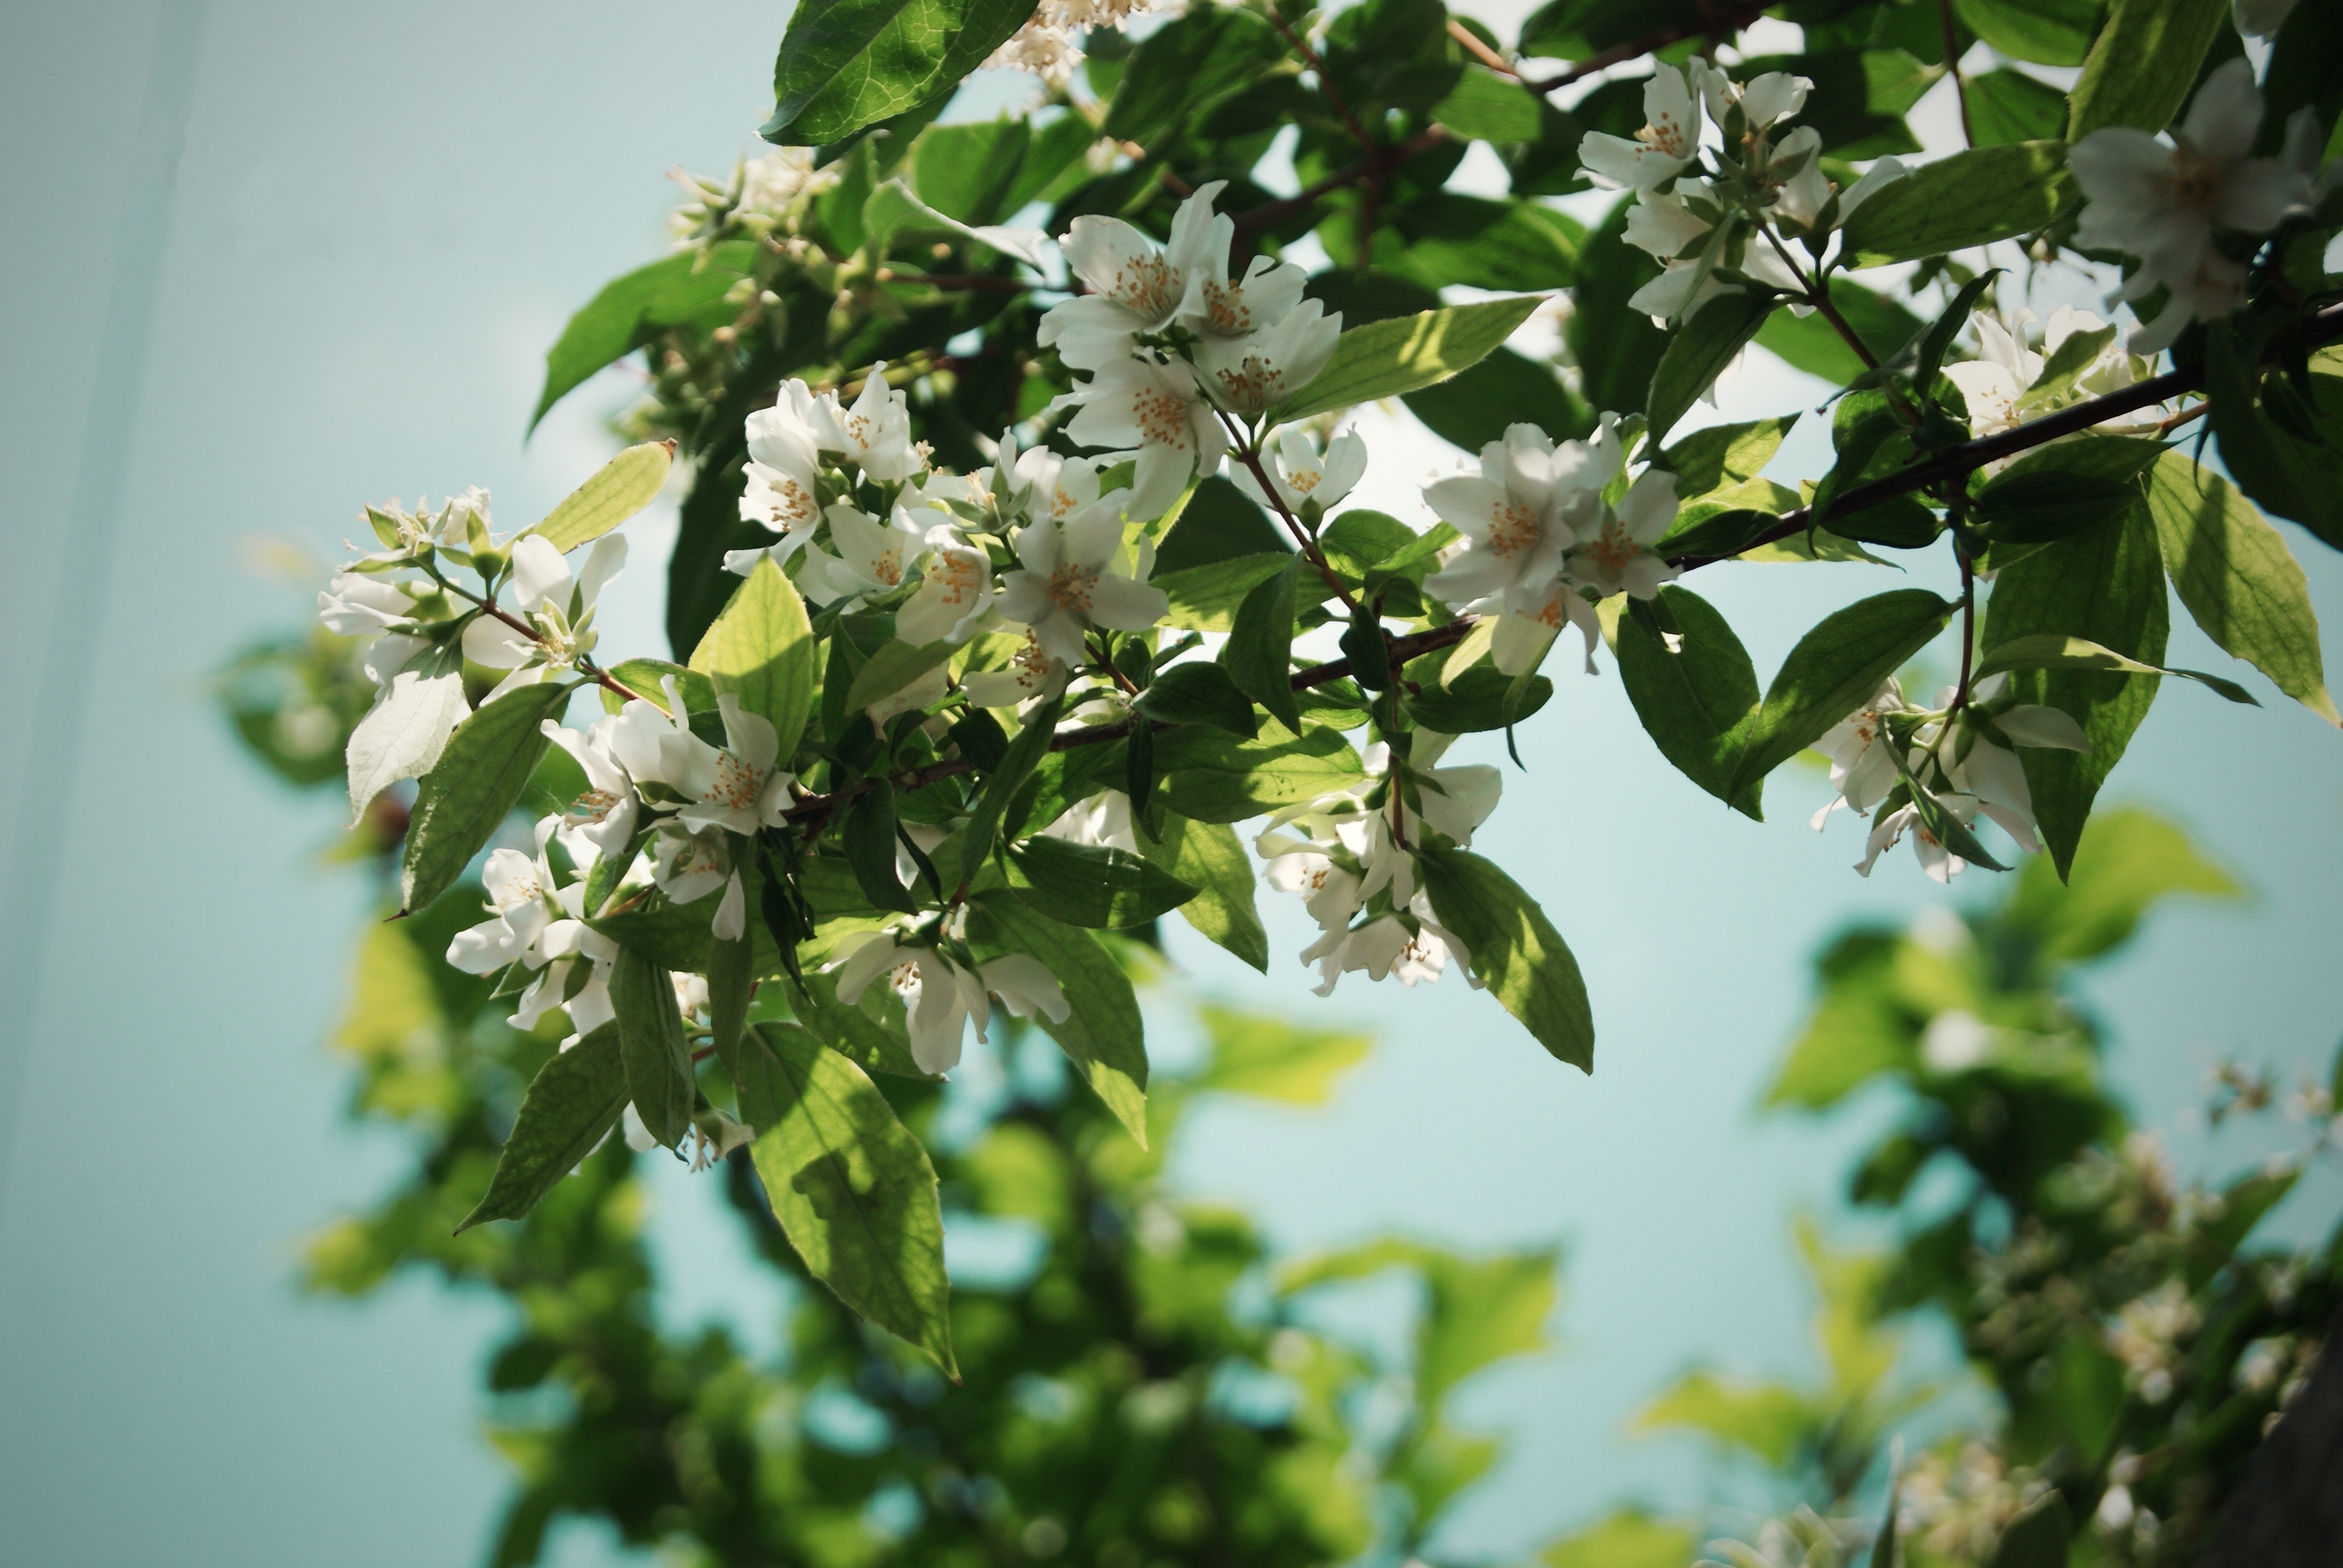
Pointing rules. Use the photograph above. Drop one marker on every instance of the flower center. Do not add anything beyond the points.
(1225, 311)
(1147, 286)
(515, 893)
(1514, 530)
(592, 806)
(1253, 383)
(887, 566)
(2192, 180)
(955, 578)
(737, 785)
(1071, 586)
(906, 980)
(1161, 418)
(792, 506)
(1612, 549)
(1665, 137)
(1302, 481)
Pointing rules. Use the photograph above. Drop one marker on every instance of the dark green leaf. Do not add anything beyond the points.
(1026, 751)
(1699, 352)
(2035, 1538)
(461, 802)
(2044, 32)
(1387, 358)
(967, 171)
(570, 1107)
(1199, 691)
(676, 291)
(1205, 598)
(2006, 107)
(1967, 199)
(1258, 654)
(2143, 63)
(868, 841)
(652, 1045)
(1696, 699)
(2282, 471)
(1486, 106)
(2049, 650)
(850, 1030)
(1185, 67)
(731, 986)
(1093, 885)
(1616, 346)
(1514, 951)
(1214, 777)
(851, 1187)
(849, 64)
(1103, 1035)
(1480, 699)
(1219, 523)
(1472, 408)
(1833, 671)
(2049, 503)
(1479, 243)
(1209, 856)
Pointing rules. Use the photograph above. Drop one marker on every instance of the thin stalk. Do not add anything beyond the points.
(1325, 80)
(1953, 65)
(1250, 456)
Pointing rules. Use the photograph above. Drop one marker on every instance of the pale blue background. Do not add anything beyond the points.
(382, 217)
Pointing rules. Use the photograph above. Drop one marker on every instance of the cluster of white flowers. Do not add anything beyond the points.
(1351, 854)
(1964, 758)
(943, 991)
(1543, 530)
(1047, 45)
(2172, 205)
(1711, 223)
(2003, 384)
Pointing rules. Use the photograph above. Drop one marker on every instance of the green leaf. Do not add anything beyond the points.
(967, 171)
(1478, 1311)
(851, 1187)
(894, 667)
(1269, 1059)
(1473, 406)
(1386, 359)
(1017, 764)
(1616, 347)
(1859, 96)
(1833, 671)
(1769, 1420)
(1209, 857)
(2105, 587)
(1625, 1538)
(1697, 701)
(2129, 860)
(2282, 472)
(1214, 777)
(462, 801)
(651, 1043)
(1514, 951)
(2236, 577)
(1487, 107)
(1480, 243)
(731, 986)
(2037, 1537)
(1967, 199)
(2143, 63)
(1481, 698)
(570, 1107)
(1219, 524)
(1092, 885)
(1811, 344)
(1723, 454)
(1259, 653)
(847, 64)
(646, 675)
(762, 649)
(619, 489)
(2044, 32)
(1205, 598)
(862, 1040)
(1199, 691)
(1698, 354)
(1185, 67)
(1103, 1035)
(868, 837)
(2049, 650)
(2049, 502)
(686, 290)
(2006, 107)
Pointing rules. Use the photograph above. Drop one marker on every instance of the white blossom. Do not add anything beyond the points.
(601, 821)
(954, 593)
(1302, 474)
(1613, 552)
(1066, 583)
(1154, 413)
(1032, 674)
(737, 786)
(1256, 372)
(1136, 286)
(1863, 769)
(1662, 148)
(784, 466)
(941, 996)
(874, 431)
(1764, 101)
(556, 605)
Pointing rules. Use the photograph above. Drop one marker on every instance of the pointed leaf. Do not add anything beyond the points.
(1833, 671)
(1386, 359)
(1258, 654)
(571, 1105)
(651, 1044)
(1102, 1036)
(466, 796)
(619, 489)
(1091, 884)
(1514, 951)
(762, 649)
(1209, 856)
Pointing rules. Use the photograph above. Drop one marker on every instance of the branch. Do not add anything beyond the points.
(1953, 65)
(1731, 19)
(1958, 462)
(1325, 80)
(1379, 160)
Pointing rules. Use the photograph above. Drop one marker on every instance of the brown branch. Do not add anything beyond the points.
(1730, 20)
(1480, 51)
(1953, 65)
(1380, 161)
(1325, 79)
(1958, 462)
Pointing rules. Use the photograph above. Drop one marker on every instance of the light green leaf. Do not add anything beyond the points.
(851, 1187)
(645, 676)
(2044, 32)
(1967, 199)
(1696, 699)
(403, 734)
(1623, 1540)
(686, 290)
(1214, 777)
(1024, 754)
(2143, 63)
(1487, 107)
(1258, 654)
(1102, 1036)
(1199, 691)
(1723, 454)
(2049, 650)
(762, 649)
(2129, 860)
(1698, 354)
(1209, 856)
(1768, 1420)
(1270, 1059)
(1205, 598)
(653, 1046)
(1092, 885)
(2007, 106)
(1477, 1311)
(1833, 671)
(847, 65)
(895, 665)
(1385, 358)
(570, 1107)
(2104, 586)
(1514, 951)
(464, 798)
(619, 489)
(2236, 577)
(871, 1044)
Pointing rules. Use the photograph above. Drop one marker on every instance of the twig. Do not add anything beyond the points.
(1730, 20)
(969, 282)
(1480, 51)
(1251, 459)
(1953, 65)
(1325, 79)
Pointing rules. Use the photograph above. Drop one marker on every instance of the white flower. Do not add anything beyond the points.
(784, 464)
(1040, 50)
(874, 557)
(2260, 18)
(1528, 627)
(955, 590)
(687, 865)
(1937, 862)
(2162, 203)
(1302, 475)
(736, 788)
(875, 432)
(1104, 820)
(1684, 286)
(364, 607)
(1978, 767)
(1136, 286)
(1066, 583)
(1032, 675)
(1253, 374)
(1367, 845)
(1155, 413)
(1217, 306)
(531, 922)
(602, 820)
(560, 609)
(1992, 383)
(1663, 224)
(1666, 144)
(1863, 769)
(1329, 892)
(940, 996)
(1385, 946)
(1518, 514)
(1614, 553)
(1764, 101)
